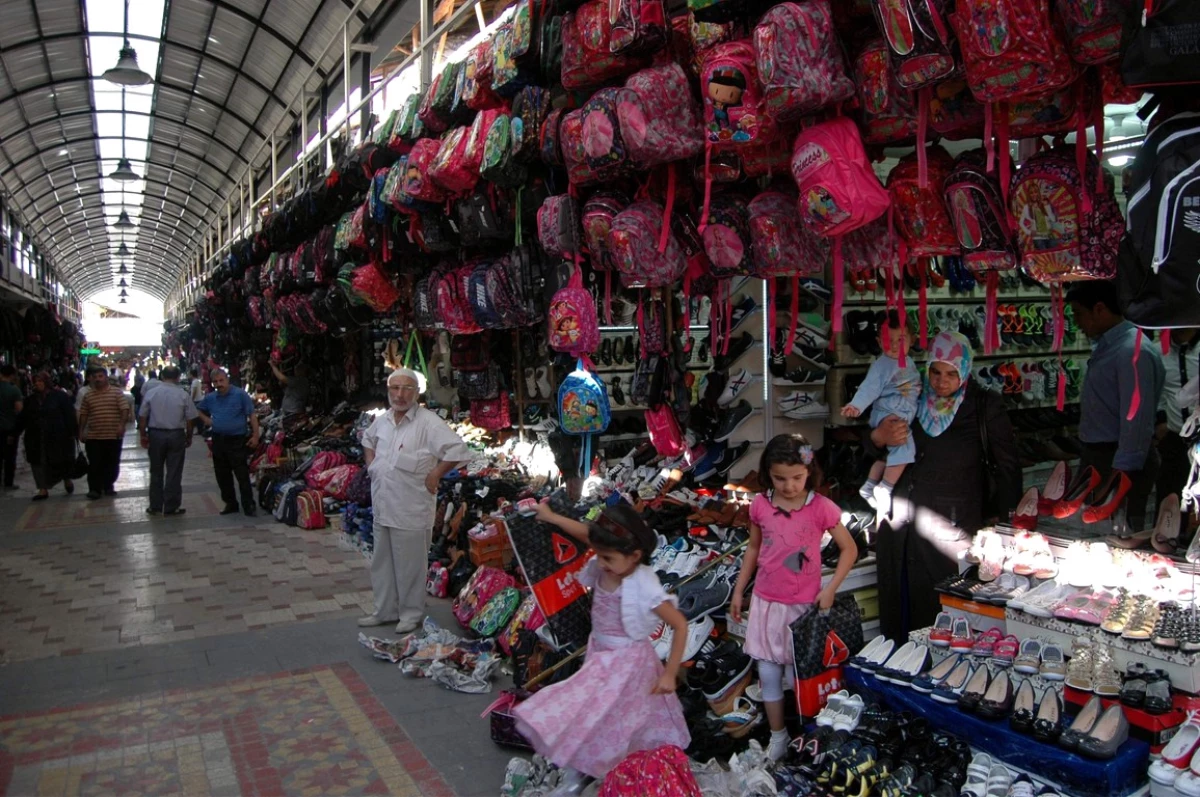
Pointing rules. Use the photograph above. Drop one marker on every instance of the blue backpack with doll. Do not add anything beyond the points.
(583, 409)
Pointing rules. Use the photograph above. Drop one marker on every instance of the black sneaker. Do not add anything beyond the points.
(815, 358)
(802, 376)
(151, 511)
(230, 509)
(179, 511)
(778, 364)
(719, 665)
(731, 456)
(817, 289)
(734, 418)
(737, 347)
(741, 311)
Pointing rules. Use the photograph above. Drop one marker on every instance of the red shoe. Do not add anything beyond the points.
(1026, 516)
(1055, 489)
(1112, 496)
(1085, 482)
(942, 631)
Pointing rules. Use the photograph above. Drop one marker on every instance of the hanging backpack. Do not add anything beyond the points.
(558, 226)
(919, 40)
(800, 60)
(573, 325)
(727, 236)
(734, 111)
(1093, 29)
(499, 166)
(515, 51)
(528, 114)
(922, 218)
(417, 182)
(583, 407)
(479, 385)
(550, 140)
(1011, 48)
(476, 80)
(663, 428)
(888, 114)
(588, 60)
(658, 116)
(1157, 267)
(951, 110)
(456, 167)
(453, 308)
(596, 220)
(978, 214)
(603, 142)
(574, 153)
(636, 27)
(839, 191)
(652, 328)
(1158, 46)
(645, 254)
(1065, 229)
(550, 58)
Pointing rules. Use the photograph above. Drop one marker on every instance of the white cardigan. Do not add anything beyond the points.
(641, 594)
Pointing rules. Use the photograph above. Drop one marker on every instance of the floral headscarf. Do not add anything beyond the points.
(935, 412)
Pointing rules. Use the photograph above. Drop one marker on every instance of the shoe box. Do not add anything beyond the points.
(813, 693)
(494, 551)
(1153, 729)
(981, 616)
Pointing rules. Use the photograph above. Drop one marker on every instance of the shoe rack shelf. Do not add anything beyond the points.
(945, 294)
(1183, 668)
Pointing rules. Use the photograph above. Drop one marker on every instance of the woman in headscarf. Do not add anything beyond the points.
(48, 419)
(940, 501)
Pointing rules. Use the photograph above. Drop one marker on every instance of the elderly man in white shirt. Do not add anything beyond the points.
(408, 450)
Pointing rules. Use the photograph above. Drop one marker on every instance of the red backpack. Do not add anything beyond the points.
(1093, 29)
(646, 254)
(587, 56)
(660, 120)
(452, 301)
(663, 428)
(456, 167)
(476, 81)
(888, 113)
(922, 219)
(558, 226)
(417, 183)
(637, 26)
(1011, 48)
(575, 157)
(800, 60)
(919, 40)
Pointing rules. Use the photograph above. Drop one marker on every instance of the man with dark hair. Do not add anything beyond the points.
(165, 423)
(11, 404)
(103, 418)
(229, 410)
(1117, 373)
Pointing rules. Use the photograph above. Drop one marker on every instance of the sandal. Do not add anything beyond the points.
(742, 719)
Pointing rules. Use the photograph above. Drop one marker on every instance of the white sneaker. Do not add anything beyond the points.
(849, 713)
(812, 408)
(543, 383)
(825, 716)
(805, 336)
(737, 384)
(778, 746)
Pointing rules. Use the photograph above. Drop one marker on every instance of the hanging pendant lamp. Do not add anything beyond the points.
(124, 173)
(122, 294)
(122, 283)
(123, 250)
(123, 221)
(122, 269)
(127, 72)
(121, 302)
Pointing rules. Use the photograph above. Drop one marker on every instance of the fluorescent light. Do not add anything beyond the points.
(1119, 160)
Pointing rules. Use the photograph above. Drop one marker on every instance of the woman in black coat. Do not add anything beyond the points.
(940, 501)
(48, 420)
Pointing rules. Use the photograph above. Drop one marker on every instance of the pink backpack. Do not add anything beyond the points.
(574, 154)
(1011, 48)
(452, 302)
(574, 326)
(782, 246)
(800, 60)
(660, 120)
(492, 414)
(839, 191)
(587, 56)
(483, 585)
(322, 462)
(734, 111)
(646, 255)
(417, 183)
(558, 226)
(453, 169)
(664, 431)
(638, 26)
(596, 219)
(663, 771)
(888, 114)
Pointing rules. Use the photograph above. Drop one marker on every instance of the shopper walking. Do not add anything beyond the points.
(103, 417)
(50, 428)
(195, 385)
(408, 450)
(11, 404)
(1117, 371)
(623, 699)
(229, 410)
(939, 503)
(787, 521)
(165, 423)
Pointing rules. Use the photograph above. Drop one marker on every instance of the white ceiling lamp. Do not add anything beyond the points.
(1119, 161)
(127, 72)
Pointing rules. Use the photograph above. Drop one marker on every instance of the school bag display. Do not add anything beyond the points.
(800, 61)
(979, 215)
(919, 40)
(839, 191)
(922, 218)
(888, 113)
(644, 248)
(587, 56)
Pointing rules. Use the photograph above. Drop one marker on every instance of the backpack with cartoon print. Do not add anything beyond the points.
(646, 255)
(888, 113)
(800, 60)
(573, 325)
(583, 407)
(919, 40)
(978, 214)
(734, 111)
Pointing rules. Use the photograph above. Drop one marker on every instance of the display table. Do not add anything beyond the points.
(1071, 773)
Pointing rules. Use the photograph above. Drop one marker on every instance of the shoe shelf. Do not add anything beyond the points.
(1122, 776)
(937, 654)
(946, 295)
(1181, 667)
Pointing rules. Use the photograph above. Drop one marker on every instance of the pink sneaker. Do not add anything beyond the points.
(1095, 609)
(1069, 609)
(985, 643)
(1004, 652)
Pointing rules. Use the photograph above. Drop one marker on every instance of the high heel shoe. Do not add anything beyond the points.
(1024, 706)
(1111, 497)
(1055, 489)
(1082, 726)
(1026, 516)
(1087, 480)
(1165, 538)
(1107, 735)
(1047, 722)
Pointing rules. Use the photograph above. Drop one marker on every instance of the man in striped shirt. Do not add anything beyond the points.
(103, 418)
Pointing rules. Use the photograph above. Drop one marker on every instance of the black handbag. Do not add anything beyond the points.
(80, 470)
(822, 640)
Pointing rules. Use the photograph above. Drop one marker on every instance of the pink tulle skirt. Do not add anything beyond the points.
(769, 630)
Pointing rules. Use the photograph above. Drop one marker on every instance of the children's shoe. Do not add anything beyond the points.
(942, 631)
(1054, 664)
(962, 640)
(985, 643)
(1004, 652)
(1080, 668)
(1029, 658)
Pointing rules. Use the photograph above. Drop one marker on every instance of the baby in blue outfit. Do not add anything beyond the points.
(888, 389)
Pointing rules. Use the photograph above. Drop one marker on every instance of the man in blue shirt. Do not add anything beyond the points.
(1111, 440)
(229, 411)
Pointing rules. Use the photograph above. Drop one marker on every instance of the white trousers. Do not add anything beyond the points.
(398, 570)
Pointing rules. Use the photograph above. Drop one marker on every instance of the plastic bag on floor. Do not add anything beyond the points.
(750, 769)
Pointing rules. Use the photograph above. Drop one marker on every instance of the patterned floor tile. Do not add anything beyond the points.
(308, 732)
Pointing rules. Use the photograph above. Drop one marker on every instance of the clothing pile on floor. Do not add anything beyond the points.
(433, 652)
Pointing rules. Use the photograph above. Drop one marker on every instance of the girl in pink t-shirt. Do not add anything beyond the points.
(786, 525)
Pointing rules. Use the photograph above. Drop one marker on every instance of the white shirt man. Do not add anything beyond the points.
(408, 450)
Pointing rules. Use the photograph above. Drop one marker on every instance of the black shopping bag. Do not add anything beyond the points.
(80, 468)
(824, 639)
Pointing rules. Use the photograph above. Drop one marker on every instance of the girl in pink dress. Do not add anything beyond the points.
(623, 699)
(787, 522)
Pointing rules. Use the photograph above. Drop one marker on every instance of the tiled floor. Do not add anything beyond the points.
(206, 655)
